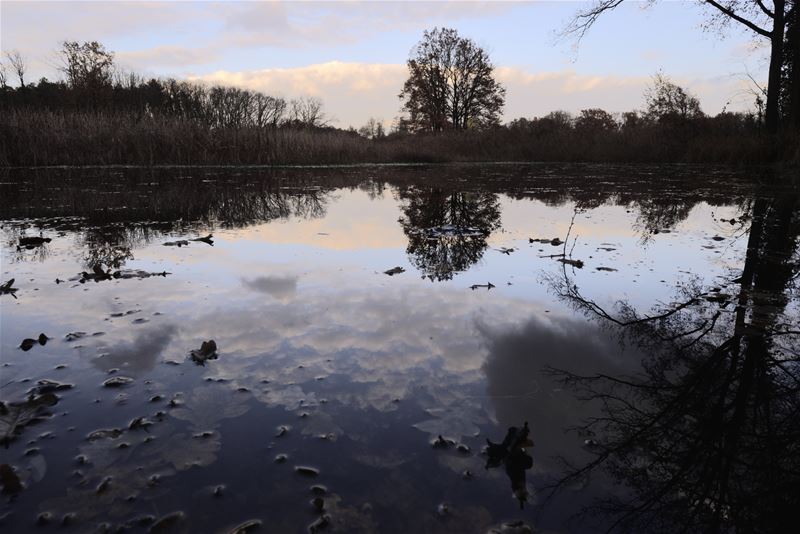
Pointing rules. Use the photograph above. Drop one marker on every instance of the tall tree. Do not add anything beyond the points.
(88, 65)
(451, 84)
(767, 22)
(791, 71)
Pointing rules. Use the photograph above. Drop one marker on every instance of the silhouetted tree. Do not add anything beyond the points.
(791, 69)
(307, 111)
(17, 63)
(88, 66)
(451, 84)
(766, 22)
(595, 120)
(665, 100)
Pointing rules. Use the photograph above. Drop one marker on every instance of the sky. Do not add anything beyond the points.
(352, 54)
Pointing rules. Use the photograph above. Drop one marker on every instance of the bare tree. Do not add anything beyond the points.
(17, 63)
(3, 76)
(307, 111)
(768, 23)
(373, 129)
(451, 84)
(269, 110)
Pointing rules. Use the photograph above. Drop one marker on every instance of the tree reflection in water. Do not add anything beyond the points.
(447, 230)
(707, 436)
(114, 215)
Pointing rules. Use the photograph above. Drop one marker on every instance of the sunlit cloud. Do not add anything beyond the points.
(168, 56)
(315, 80)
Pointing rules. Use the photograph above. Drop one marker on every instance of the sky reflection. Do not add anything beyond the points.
(363, 370)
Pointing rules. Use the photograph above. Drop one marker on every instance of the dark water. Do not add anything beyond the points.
(657, 372)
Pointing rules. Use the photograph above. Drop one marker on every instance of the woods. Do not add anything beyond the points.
(451, 109)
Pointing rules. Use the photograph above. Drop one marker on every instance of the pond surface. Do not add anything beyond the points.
(655, 368)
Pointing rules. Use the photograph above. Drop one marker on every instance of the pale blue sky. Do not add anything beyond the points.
(351, 54)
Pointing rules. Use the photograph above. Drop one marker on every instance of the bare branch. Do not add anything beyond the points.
(765, 9)
(730, 13)
(583, 20)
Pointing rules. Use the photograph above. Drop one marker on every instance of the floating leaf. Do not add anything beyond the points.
(6, 288)
(72, 336)
(48, 386)
(112, 433)
(167, 523)
(9, 479)
(117, 381)
(246, 527)
(15, 416)
(208, 351)
(306, 471)
(575, 263)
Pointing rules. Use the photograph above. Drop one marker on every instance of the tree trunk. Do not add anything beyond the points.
(793, 87)
(775, 67)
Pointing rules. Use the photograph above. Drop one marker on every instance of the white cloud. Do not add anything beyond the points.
(167, 56)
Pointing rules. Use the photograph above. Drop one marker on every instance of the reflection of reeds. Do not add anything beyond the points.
(164, 199)
(41, 137)
(113, 212)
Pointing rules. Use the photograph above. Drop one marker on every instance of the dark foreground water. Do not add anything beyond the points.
(656, 368)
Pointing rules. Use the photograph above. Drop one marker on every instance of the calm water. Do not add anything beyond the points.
(672, 331)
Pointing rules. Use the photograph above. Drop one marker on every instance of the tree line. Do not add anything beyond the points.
(92, 82)
(451, 94)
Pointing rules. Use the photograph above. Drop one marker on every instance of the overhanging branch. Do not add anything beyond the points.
(730, 13)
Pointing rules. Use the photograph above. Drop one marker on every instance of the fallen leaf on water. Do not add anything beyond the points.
(246, 527)
(575, 263)
(15, 416)
(167, 523)
(208, 351)
(117, 381)
(394, 270)
(306, 471)
(6, 288)
(9, 479)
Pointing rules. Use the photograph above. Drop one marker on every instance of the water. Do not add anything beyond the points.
(324, 361)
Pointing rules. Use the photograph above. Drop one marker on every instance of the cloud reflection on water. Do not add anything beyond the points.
(139, 355)
(282, 288)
